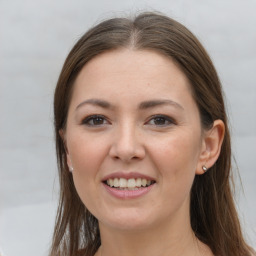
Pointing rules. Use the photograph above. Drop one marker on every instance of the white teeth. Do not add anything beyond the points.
(138, 182)
(131, 184)
(110, 182)
(122, 183)
(116, 182)
(144, 182)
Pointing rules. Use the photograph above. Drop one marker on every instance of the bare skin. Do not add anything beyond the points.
(139, 244)
(132, 113)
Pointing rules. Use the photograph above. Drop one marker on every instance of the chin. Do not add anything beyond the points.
(129, 225)
(128, 221)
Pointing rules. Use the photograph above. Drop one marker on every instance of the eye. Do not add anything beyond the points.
(161, 120)
(95, 120)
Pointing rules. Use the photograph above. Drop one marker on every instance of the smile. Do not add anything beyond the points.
(124, 185)
(128, 184)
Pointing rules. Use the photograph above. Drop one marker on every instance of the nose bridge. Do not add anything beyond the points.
(126, 142)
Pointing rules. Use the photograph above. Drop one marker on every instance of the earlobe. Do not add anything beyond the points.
(211, 148)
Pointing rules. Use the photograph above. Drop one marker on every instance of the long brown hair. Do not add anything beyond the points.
(213, 215)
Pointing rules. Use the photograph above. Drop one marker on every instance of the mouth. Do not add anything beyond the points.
(128, 184)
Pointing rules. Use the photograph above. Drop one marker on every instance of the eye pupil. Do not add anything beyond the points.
(97, 120)
(160, 121)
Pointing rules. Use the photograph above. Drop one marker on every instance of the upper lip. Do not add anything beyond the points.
(127, 175)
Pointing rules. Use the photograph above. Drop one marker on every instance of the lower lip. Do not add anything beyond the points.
(128, 194)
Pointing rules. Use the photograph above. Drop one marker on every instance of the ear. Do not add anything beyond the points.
(211, 146)
(63, 137)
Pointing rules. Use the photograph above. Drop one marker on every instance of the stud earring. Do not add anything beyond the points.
(204, 168)
(71, 169)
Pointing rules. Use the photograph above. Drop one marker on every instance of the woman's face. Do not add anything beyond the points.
(134, 139)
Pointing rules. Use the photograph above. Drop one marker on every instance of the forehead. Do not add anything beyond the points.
(131, 74)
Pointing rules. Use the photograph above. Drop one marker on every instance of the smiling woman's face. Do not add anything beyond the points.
(132, 120)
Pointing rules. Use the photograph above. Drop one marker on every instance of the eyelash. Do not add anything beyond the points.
(162, 118)
(92, 118)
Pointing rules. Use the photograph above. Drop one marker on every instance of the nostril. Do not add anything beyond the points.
(127, 147)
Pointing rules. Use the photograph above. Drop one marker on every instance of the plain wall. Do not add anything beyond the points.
(35, 38)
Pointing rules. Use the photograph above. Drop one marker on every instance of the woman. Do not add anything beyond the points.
(143, 145)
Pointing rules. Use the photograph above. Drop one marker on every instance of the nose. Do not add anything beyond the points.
(127, 144)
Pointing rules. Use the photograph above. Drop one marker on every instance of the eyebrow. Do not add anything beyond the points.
(142, 105)
(154, 103)
(95, 102)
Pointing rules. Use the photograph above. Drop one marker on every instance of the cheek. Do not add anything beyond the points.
(176, 159)
(176, 162)
(177, 151)
(86, 154)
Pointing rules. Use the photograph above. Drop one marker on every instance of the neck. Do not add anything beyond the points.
(176, 239)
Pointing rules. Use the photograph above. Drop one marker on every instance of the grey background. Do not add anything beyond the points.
(36, 36)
